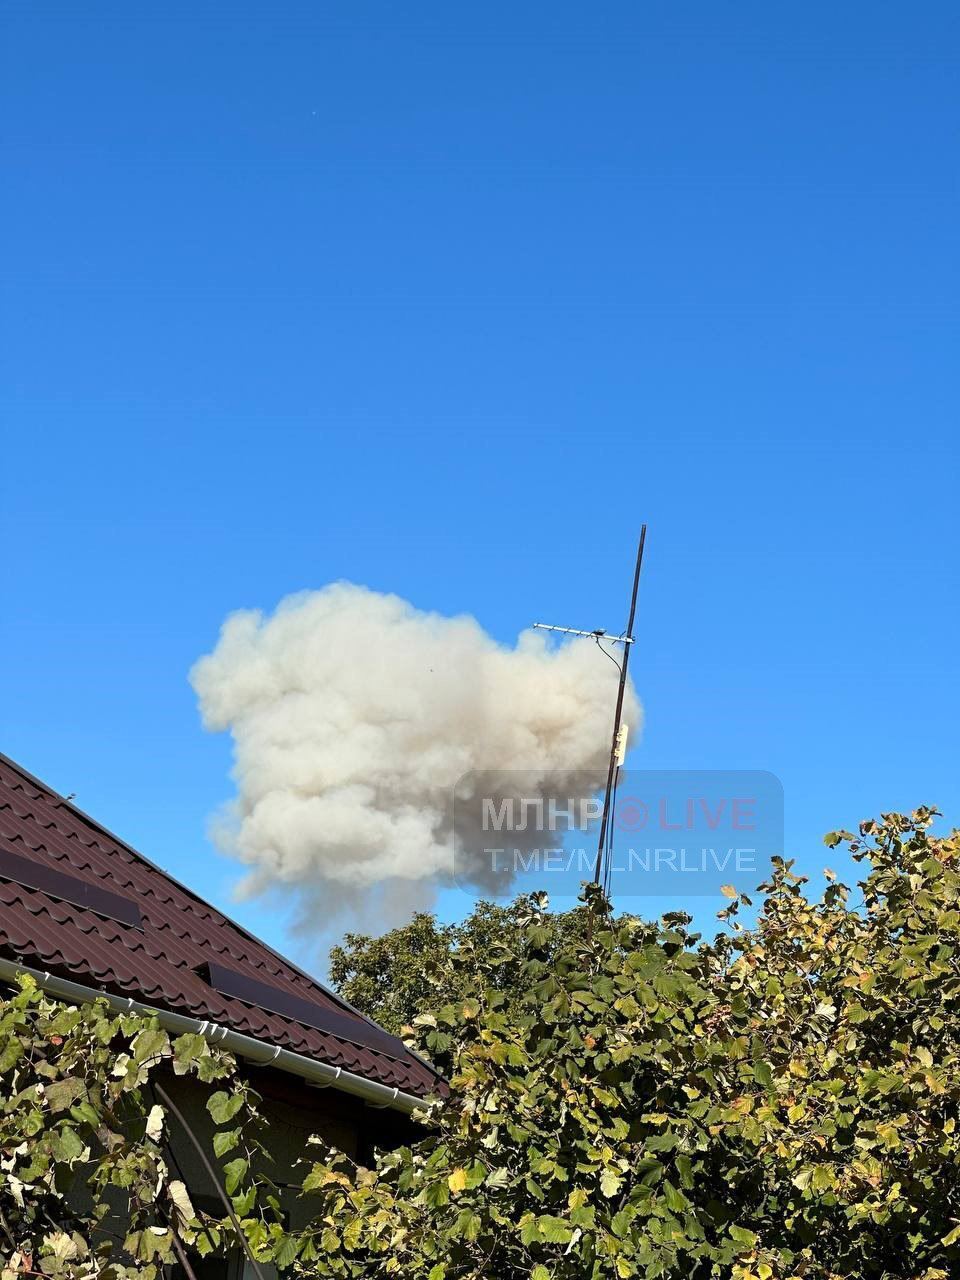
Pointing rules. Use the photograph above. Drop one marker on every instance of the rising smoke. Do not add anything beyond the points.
(353, 715)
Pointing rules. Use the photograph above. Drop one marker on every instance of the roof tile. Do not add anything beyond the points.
(158, 964)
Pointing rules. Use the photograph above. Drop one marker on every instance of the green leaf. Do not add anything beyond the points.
(529, 1229)
(225, 1140)
(743, 1236)
(10, 1054)
(437, 1193)
(234, 1171)
(244, 1202)
(554, 1230)
(150, 1045)
(62, 1094)
(224, 1106)
(286, 1251)
(467, 1225)
(763, 1074)
(85, 1113)
(68, 1146)
(676, 1200)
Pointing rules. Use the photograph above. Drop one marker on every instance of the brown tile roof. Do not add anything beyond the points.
(80, 903)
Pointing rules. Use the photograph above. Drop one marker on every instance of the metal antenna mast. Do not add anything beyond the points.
(615, 745)
(618, 744)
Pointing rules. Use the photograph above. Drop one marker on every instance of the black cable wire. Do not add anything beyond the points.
(212, 1175)
(179, 1171)
(607, 654)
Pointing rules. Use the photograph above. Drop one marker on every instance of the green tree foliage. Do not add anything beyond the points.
(781, 1102)
(395, 977)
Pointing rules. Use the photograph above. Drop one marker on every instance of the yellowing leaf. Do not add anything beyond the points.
(181, 1198)
(155, 1123)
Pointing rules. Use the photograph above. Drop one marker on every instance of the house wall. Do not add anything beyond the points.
(292, 1112)
(291, 1116)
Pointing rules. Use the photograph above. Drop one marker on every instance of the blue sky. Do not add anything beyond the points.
(446, 300)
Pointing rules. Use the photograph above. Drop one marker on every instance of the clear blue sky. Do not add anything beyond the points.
(445, 300)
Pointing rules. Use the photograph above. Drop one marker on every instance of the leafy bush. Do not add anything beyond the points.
(782, 1102)
(87, 1187)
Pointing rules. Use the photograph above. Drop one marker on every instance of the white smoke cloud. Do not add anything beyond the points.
(353, 715)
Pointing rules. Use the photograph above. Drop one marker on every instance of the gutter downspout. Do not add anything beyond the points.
(320, 1074)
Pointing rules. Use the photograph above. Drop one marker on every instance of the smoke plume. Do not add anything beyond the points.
(353, 714)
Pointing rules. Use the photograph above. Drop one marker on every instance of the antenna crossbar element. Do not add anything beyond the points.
(590, 635)
(618, 745)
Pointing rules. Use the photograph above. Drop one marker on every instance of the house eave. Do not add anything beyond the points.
(314, 1072)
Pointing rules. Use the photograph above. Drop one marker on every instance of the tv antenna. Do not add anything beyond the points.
(618, 746)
